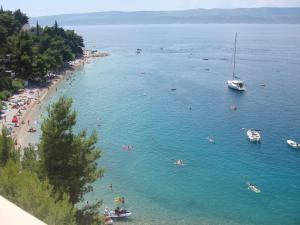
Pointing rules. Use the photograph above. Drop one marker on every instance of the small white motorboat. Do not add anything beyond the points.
(254, 188)
(293, 144)
(253, 135)
(122, 214)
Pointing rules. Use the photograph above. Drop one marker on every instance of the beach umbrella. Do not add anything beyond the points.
(14, 119)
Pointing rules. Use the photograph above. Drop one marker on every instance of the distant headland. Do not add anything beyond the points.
(192, 16)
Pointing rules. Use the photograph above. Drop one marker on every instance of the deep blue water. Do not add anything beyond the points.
(131, 95)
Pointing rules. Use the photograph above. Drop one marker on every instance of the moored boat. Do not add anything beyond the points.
(293, 144)
(254, 188)
(235, 83)
(253, 135)
(122, 214)
(117, 213)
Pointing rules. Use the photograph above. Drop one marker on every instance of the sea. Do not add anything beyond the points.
(166, 101)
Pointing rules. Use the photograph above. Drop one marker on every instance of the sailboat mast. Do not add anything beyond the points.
(234, 57)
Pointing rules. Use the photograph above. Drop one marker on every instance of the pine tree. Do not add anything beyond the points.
(56, 27)
(30, 160)
(37, 28)
(6, 147)
(69, 160)
(1, 9)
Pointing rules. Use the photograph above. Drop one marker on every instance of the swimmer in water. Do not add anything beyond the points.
(98, 122)
(179, 162)
(233, 107)
(210, 140)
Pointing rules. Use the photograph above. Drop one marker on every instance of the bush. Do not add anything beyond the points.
(17, 84)
(24, 189)
(5, 83)
(4, 95)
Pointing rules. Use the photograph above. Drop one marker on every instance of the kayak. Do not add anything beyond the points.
(293, 144)
(112, 214)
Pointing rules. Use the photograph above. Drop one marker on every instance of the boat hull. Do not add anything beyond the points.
(236, 85)
(254, 189)
(113, 215)
(293, 144)
(253, 135)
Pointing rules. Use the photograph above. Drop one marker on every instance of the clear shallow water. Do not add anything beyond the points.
(131, 94)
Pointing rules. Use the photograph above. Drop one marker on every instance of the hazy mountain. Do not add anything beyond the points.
(194, 16)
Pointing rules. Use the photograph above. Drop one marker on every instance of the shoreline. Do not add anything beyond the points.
(25, 104)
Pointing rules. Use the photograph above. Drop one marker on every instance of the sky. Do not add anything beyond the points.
(52, 7)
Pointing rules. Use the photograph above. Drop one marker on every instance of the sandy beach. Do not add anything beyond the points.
(19, 112)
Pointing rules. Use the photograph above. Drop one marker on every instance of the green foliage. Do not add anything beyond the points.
(20, 17)
(7, 149)
(5, 83)
(49, 181)
(56, 27)
(37, 29)
(74, 41)
(3, 35)
(8, 21)
(30, 160)
(20, 47)
(35, 52)
(84, 165)
(89, 214)
(17, 84)
(4, 95)
(40, 66)
(69, 160)
(36, 197)
(25, 189)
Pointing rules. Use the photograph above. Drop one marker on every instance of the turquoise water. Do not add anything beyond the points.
(131, 95)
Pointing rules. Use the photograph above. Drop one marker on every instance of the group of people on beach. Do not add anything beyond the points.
(13, 111)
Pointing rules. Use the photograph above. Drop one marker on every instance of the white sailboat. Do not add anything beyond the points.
(235, 83)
